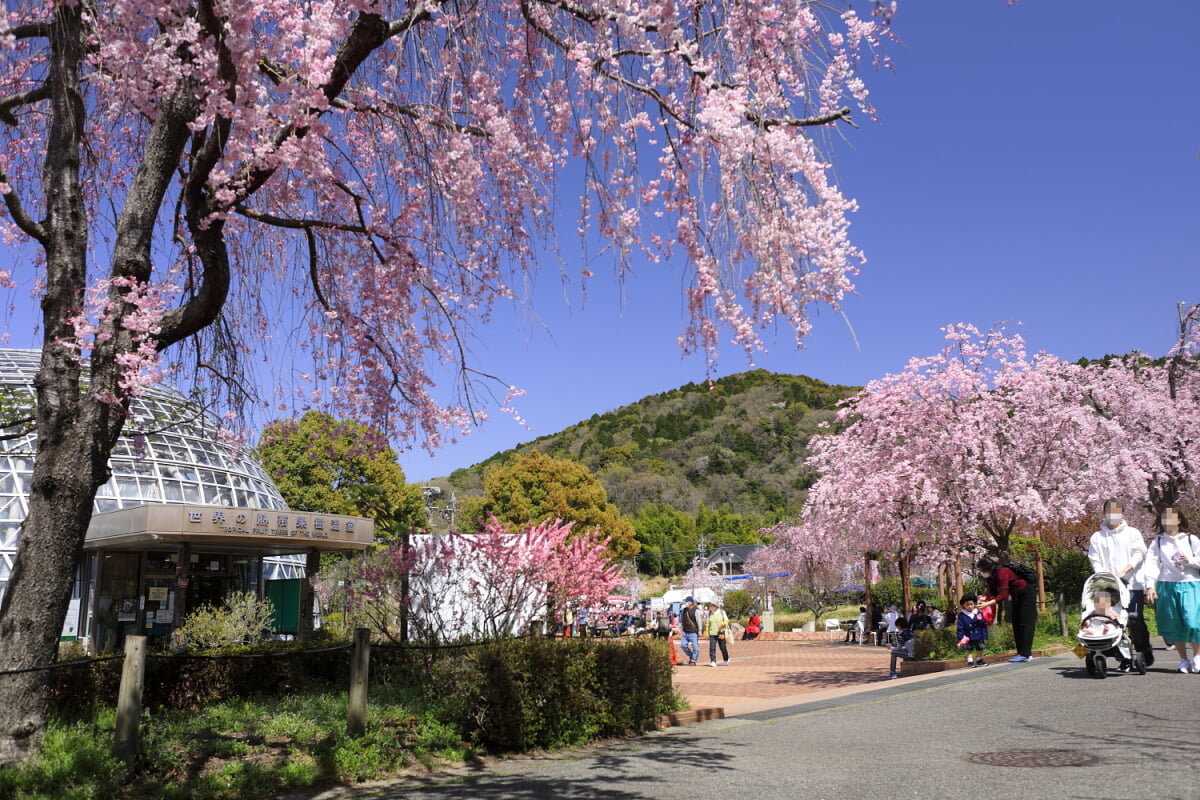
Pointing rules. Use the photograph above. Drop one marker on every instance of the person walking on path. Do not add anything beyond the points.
(717, 628)
(1172, 576)
(971, 630)
(1120, 549)
(1001, 583)
(690, 625)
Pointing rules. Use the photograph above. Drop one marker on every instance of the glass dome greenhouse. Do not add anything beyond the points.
(168, 454)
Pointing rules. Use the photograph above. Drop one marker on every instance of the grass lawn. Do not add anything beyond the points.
(237, 749)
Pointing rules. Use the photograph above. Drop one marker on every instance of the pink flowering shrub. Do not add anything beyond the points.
(486, 585)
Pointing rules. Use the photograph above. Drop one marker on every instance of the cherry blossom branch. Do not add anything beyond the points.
(21, 99)
(16, 210)
(29, 30)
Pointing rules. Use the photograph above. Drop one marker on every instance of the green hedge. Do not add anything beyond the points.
(522, 694)
(186, 682)
(509, 695)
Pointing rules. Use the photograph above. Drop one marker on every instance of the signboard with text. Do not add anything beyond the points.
(268, 528)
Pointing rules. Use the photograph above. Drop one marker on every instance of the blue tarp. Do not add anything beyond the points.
(747, 577)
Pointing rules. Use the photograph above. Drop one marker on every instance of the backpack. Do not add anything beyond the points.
(1024, 572)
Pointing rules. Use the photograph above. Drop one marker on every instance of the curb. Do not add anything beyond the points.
(678, 718)
(908, 669)
(926, 667)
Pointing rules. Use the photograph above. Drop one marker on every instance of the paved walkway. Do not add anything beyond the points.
(1044, 729)
(771, 674)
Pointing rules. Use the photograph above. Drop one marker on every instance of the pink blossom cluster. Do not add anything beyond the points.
(482, 585)
(375, 175)
(979, 442)
(125, 307)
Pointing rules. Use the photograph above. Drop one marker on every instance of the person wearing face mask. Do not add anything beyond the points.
(1172, 577)
(1119, 548)
(1001, 583)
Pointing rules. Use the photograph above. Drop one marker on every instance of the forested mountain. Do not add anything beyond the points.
(737, 446)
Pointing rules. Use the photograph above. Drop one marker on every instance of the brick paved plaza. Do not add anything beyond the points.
(770, 674)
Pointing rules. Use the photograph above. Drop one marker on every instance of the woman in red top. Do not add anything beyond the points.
(1002, 582)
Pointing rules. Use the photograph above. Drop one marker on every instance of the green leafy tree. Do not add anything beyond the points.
(667, 537)
(535, 487)
(720, 527)
(340, 467)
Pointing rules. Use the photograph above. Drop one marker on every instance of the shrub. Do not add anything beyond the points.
(738, 603)
(887, 591)
(521, 694)
(244, 618)
(1066, 570)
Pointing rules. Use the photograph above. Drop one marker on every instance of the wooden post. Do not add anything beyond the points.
(356, 708)
(1062, 614)
(129, 700)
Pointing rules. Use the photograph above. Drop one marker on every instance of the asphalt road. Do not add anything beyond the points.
(1039, 730)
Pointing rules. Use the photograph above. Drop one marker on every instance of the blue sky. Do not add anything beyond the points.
(1035, 163)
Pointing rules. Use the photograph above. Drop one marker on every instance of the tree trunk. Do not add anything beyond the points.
(60, 507)
(72, 456)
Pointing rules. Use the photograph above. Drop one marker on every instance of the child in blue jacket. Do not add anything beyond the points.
(972, 630)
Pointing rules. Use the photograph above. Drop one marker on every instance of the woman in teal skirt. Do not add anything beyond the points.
(1172, 577)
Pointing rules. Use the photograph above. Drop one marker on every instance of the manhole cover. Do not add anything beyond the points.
(1033, 758)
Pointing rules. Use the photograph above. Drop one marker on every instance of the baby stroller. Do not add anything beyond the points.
(1103, 625)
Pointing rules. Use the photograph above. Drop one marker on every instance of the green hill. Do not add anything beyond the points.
(737, 445)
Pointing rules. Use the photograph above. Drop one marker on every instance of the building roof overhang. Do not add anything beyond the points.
(267, 531)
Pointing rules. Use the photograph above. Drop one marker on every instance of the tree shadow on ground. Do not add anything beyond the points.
(614, 771)
(828, 679)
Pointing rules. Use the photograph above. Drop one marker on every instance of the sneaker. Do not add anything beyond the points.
(691, 663)
(981, 663)
(725, 663)
(712, 663)
(970, 663)
(893, 675)
(1195, 663)
(1125, 666)
(1018, 659)
(1185, 666)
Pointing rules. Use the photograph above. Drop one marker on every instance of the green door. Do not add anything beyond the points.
(285, 596)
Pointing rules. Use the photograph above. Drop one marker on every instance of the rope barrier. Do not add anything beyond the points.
(283, 654)
(63, 665)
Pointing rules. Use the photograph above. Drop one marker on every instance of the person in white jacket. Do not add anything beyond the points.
(1172, 575)
(1120, 549)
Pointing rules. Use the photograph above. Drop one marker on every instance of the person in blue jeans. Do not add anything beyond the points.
(689, 623)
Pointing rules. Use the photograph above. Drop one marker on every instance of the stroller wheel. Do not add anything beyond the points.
(1089, 661)
(1101, 667)
(1139, 663)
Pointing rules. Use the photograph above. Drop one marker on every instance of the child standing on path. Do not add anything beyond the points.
(972, 630)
